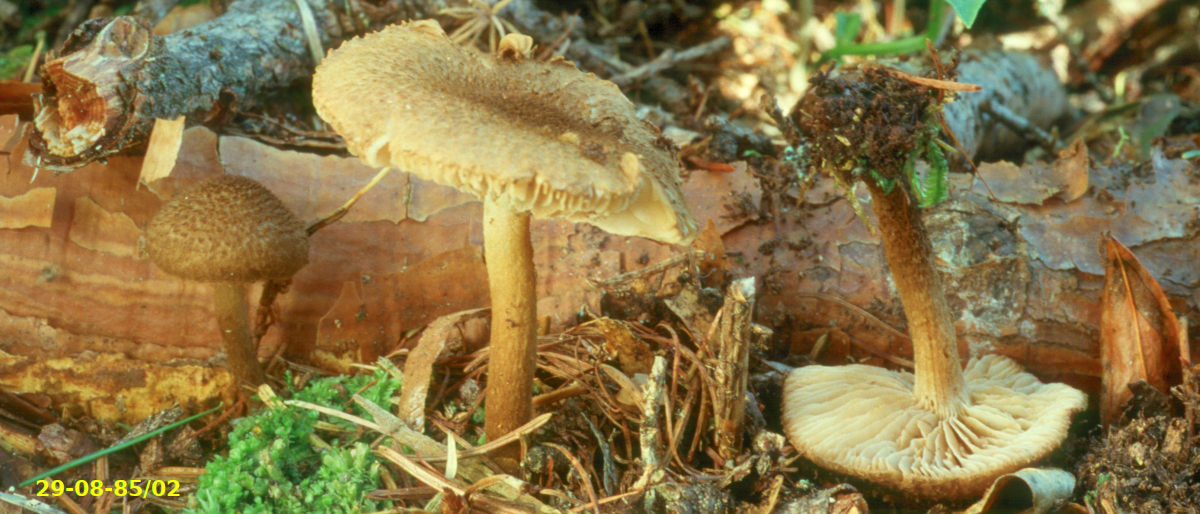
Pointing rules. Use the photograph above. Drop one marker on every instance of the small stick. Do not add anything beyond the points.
(584, 476)
(608, 478)
(561, 393)
(1020, 125)
(669, 59)
(510, 437)
(944, 85)
(345, 208)
(662, 265)
(651, 450)
(546, 50)
(37, 54)
(610, 499)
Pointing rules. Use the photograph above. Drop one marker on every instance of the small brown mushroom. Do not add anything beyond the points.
(229, 231)
(529, 138)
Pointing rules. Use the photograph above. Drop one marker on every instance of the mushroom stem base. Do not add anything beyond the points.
(229, 300)
(513, 359)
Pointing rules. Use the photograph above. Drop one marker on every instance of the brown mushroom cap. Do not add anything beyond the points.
(227, 229)
(542, 137)
(865, 421)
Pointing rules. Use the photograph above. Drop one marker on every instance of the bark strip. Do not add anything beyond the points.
(732, 346)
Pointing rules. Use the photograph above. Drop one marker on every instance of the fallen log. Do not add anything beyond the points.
(115, 77)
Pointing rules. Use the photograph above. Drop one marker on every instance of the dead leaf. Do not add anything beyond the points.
(730, 199)
(162, 150)
(713, 266)
(633, 354)
(688, 303)
(443, 333)
(1036, 182)
(1072, 164)
(1139, 334)
(629, 394)
(1047, 488)
(65, 444)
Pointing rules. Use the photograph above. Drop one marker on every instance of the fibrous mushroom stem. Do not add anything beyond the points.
(512, 281)
(229, 300)
(939, 384)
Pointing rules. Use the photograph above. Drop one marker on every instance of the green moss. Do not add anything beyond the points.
(273, 465)
(14, 62)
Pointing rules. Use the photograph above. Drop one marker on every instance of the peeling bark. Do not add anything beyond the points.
(732, 367)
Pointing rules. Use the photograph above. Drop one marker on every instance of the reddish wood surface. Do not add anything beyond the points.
(1022, 280)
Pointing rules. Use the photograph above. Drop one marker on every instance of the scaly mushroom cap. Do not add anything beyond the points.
(227, 229)
(537, 136)
(864, 421)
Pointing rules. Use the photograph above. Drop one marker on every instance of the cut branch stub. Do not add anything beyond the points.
(82, 113)
(114, 77)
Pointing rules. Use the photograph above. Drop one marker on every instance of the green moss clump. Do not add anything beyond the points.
(14, 62)
(273, 465)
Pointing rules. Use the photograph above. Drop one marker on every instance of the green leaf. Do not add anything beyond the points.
(967, 10)
(884, 183)
(848, 25)
(934, 187)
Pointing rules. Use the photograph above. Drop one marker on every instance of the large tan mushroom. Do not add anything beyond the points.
(229, 231)
(540, 138)
(866, 421)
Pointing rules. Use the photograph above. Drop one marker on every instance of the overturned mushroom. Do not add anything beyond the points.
(938, 432)
(528, 138)
(229, 231)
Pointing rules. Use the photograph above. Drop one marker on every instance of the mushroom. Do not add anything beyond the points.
(939, 432)
(529, 138)
(229, 231)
